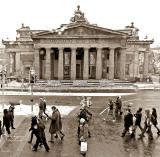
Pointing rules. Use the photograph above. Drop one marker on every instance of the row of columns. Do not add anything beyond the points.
(86, 63)
(85, 66)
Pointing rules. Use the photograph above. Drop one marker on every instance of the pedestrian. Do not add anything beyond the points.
(11, 113)
(41, 108)
(147, 125)
(6, 121)
(137, 123)
(40, 135)
(44, 105)
(1, 128)
(83, 131)
(33, 128)
(56, 124)
(154, 120)
(110, 109)
(128, 122)
(118, 106)
(84, 113)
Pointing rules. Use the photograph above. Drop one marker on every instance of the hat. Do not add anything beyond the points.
(82, 120)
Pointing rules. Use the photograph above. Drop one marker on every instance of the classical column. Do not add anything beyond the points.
(73, 64)
(18, 65)
(48, 64)
(85, 66)
(136, 62)
(145, 65)
(99, 64)
(60, 64)
(37, 62)
(122, 63)
(111, 64)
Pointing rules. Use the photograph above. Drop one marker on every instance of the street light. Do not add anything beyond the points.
(32, 78)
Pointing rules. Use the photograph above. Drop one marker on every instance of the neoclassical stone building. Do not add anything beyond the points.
(79, 51)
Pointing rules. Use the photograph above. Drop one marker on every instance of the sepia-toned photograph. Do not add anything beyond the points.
(79, 78)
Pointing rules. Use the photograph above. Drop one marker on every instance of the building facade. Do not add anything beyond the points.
(79, 51)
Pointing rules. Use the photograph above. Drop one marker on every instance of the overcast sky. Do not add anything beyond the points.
(50, 14)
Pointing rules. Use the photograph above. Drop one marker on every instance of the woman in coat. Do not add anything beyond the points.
(56, 124)
(154, 120)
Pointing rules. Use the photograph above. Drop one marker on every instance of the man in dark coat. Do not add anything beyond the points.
(128, 121)
(6, 121)
(40, 135)
(84, 113)
(11, 113)
(56, 124)
(41, 108)
(118, 106)
(137, 123)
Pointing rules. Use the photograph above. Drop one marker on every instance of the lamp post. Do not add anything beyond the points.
(31, 82)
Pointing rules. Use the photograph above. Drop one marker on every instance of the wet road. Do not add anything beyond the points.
(106, 140)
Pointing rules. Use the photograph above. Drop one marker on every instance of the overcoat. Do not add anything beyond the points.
(56, 122)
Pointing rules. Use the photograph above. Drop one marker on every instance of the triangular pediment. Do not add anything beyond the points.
(79, 30)
(86, 29)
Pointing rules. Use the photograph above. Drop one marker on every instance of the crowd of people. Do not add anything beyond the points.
(37, 129)
(133, 121)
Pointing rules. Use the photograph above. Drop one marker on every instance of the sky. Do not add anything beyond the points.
(50, 14)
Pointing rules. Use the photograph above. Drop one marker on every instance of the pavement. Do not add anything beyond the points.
(105, 141)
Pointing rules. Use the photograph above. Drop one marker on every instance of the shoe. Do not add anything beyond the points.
(56, 136)
(132, 135)
(158, 133)
(122, 135)
(35, 150)
(13, 128)
(47, 150)
(51, 141)
(29, 141)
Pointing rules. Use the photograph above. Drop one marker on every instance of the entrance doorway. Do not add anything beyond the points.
(79, 63)
(42, 60)
(92, 63)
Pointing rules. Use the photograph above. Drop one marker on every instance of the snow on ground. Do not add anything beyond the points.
(26, 109)
(14, 84)
(63, 94)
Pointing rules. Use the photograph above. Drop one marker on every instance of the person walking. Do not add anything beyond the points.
(118, 106)
(128, 121)
(110, 109)
(147, 125)
(1, 129)
(11, 113)
(41, 108)
(56, 124)
(83, 131)
(137, 123)
(154, 120)
(6, 121)
(40, 135)
(44, 105)
(33, 128)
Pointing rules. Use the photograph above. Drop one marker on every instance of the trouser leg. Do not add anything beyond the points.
(37, 143)
(140, 127)
(124, 131)
(31, 136)
(45, 143)
(8, 130)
